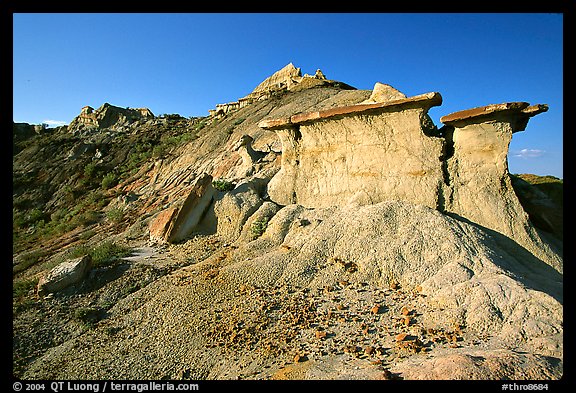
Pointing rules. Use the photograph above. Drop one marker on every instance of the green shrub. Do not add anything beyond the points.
(158, 151)
(198, 126)
(115, 215)
(36, 215)
(259, 227)
(22, 287)
(88, 316)
(90, 170)
(223, 185)
(86, 218)
(109, 181)
(102, 254)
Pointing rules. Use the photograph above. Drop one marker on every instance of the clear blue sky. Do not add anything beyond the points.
(188, 63)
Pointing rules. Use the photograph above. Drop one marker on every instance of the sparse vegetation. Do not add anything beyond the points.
(223, 185)
(258, 227)
(87, 316)
(109, 181)
(22, 287)
(115, 215)
(102, 254)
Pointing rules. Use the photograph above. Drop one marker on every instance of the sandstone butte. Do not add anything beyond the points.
(350, 220)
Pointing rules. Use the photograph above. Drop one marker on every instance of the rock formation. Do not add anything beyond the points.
(25, 130)
(248, 154)
(289, 78)
(107, 116)
(177, 222)
(387, 148)
(369, 152)
(478, 186)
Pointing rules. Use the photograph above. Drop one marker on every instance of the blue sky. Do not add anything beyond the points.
(188, 63)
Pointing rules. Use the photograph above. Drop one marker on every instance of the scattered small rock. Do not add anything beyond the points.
(401, 337)
(298, 358)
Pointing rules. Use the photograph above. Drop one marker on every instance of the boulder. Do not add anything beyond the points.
(64, 275)
(177, 222)
(159, 227)
(232, 209)
(384, 93)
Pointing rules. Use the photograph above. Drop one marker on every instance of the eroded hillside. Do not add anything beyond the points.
(198, 272)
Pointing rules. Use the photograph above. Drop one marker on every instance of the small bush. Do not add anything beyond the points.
(201, 124)
(22, 287)
(109, 181)
(103, 254)
(90, 170)
(86, 218)
(88, 316)
(35, 216)
(258, 227)
(115, 215)
(223, 185)
(107, 252)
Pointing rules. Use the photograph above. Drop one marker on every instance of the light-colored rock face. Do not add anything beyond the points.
(328, 163)
(387, 148)
(280, 79)
(478, 186)
(384, 93)
(479, 181)
(107, 116)
(364, 153)
(177, 222)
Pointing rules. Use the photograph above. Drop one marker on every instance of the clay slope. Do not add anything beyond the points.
(369, 292)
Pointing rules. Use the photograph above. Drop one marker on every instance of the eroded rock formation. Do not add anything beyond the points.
(107, 116)
(366, 152)
(260, 287)
(289, 78)
(176, 222)
(387, 148)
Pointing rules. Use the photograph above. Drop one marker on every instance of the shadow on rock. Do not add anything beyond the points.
(526, 268)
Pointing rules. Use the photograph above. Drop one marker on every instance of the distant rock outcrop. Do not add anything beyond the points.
(289, 78)
(25, 130)
(108, 116)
